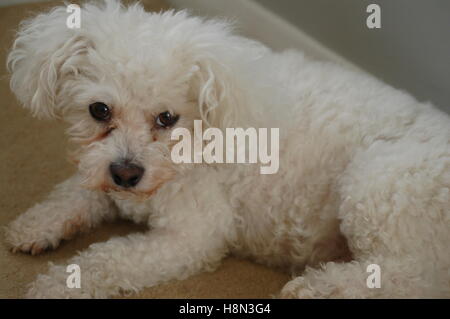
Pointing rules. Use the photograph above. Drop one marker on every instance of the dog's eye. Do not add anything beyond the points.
(100, 111)
(166, 119)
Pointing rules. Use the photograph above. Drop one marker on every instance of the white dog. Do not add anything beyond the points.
(364, 168)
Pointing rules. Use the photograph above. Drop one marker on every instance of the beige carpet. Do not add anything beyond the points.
(33, 160)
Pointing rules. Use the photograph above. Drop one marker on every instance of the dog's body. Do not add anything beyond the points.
(364, 169)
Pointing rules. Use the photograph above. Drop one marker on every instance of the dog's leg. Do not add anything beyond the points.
(127, 264)
(385, 266)
(69, 209)
(391, 277)
(397, 217)
(189, 234)
(130, 263)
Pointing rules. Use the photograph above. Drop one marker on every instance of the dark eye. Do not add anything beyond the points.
(100, 111)
(166, 119)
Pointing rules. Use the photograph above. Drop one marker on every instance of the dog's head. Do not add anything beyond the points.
(124, 81)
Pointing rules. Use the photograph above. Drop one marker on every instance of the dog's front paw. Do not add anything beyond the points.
(31, 233)
(295, 289)
(23, 239)
(32, 247)
(331, 281)
(302, 288)
(55, 285)
(90, 279)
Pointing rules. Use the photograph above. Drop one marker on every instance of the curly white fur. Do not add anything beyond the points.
(364, 168)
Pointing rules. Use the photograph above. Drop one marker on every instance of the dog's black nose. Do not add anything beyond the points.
(126, 174)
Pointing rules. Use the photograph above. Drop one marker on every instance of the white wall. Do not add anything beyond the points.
(411, 50)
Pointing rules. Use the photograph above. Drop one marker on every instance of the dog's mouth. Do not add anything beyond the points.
(130, 194)
(142, 191)
(135, 194)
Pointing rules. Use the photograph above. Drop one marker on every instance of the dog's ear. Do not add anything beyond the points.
(219, 85)
(216, 93)
(44, 53)
(224, 75)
